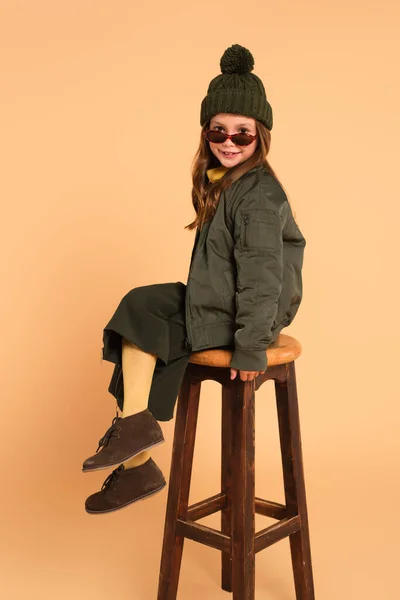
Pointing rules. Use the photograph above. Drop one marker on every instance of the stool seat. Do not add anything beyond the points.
(283, 350)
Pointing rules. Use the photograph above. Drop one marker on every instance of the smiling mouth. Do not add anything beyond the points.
(229, 153)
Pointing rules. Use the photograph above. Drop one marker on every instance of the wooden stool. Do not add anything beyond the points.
(237, 539)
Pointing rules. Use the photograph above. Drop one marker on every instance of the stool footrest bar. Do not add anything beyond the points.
(204, 535)
(274, 533)
(206, 507)
(218, 540)
(271, 509)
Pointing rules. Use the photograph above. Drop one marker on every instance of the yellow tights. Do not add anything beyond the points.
(138, 368)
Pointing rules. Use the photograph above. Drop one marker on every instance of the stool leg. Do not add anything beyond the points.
(293, 474)
(179, 486)
(226, 484)
(243, 490)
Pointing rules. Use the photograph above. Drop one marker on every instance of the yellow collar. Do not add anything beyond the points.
(216, 173)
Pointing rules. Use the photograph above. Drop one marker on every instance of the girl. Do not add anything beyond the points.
(244, 285)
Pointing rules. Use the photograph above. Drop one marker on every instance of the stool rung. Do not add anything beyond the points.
(268, 536)
(206, 507)
(203, 535)
(271, 509)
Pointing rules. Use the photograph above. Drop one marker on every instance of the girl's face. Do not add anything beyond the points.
(231, 123)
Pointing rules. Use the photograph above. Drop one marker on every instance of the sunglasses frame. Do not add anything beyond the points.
(230, 136)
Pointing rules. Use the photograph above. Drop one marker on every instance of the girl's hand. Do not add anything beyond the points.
(245, 375)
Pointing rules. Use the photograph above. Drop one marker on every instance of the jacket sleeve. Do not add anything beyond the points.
(258, 251)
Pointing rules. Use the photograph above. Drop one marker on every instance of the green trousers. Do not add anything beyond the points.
(153, 318)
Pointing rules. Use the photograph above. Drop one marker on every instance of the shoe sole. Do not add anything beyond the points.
(143, 497)
(101, 467)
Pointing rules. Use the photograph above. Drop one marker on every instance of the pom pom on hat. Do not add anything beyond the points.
(237, 59)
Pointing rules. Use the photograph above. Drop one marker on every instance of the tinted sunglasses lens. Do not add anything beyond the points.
(216, 137)
(241, 139)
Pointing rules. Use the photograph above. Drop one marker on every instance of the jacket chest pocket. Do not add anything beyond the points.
(258, 228)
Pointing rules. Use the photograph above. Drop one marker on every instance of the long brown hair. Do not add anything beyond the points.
(206, 194)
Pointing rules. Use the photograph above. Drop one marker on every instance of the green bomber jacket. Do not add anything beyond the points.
(244, 283)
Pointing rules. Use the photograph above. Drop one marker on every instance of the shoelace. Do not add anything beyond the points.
(112, 429)
(112, 477)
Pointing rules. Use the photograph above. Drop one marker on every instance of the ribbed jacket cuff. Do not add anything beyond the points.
(249, 360)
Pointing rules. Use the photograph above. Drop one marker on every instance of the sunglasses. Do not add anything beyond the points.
(239, 139)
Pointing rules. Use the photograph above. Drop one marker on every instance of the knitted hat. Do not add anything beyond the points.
(237, 90)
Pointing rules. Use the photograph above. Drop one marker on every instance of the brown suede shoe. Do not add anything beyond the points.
(125, 438)
(124, 486)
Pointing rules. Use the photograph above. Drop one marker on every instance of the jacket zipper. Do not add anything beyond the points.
(187, 342)
(245, 223)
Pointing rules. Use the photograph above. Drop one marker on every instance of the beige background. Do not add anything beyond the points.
(99, 124)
